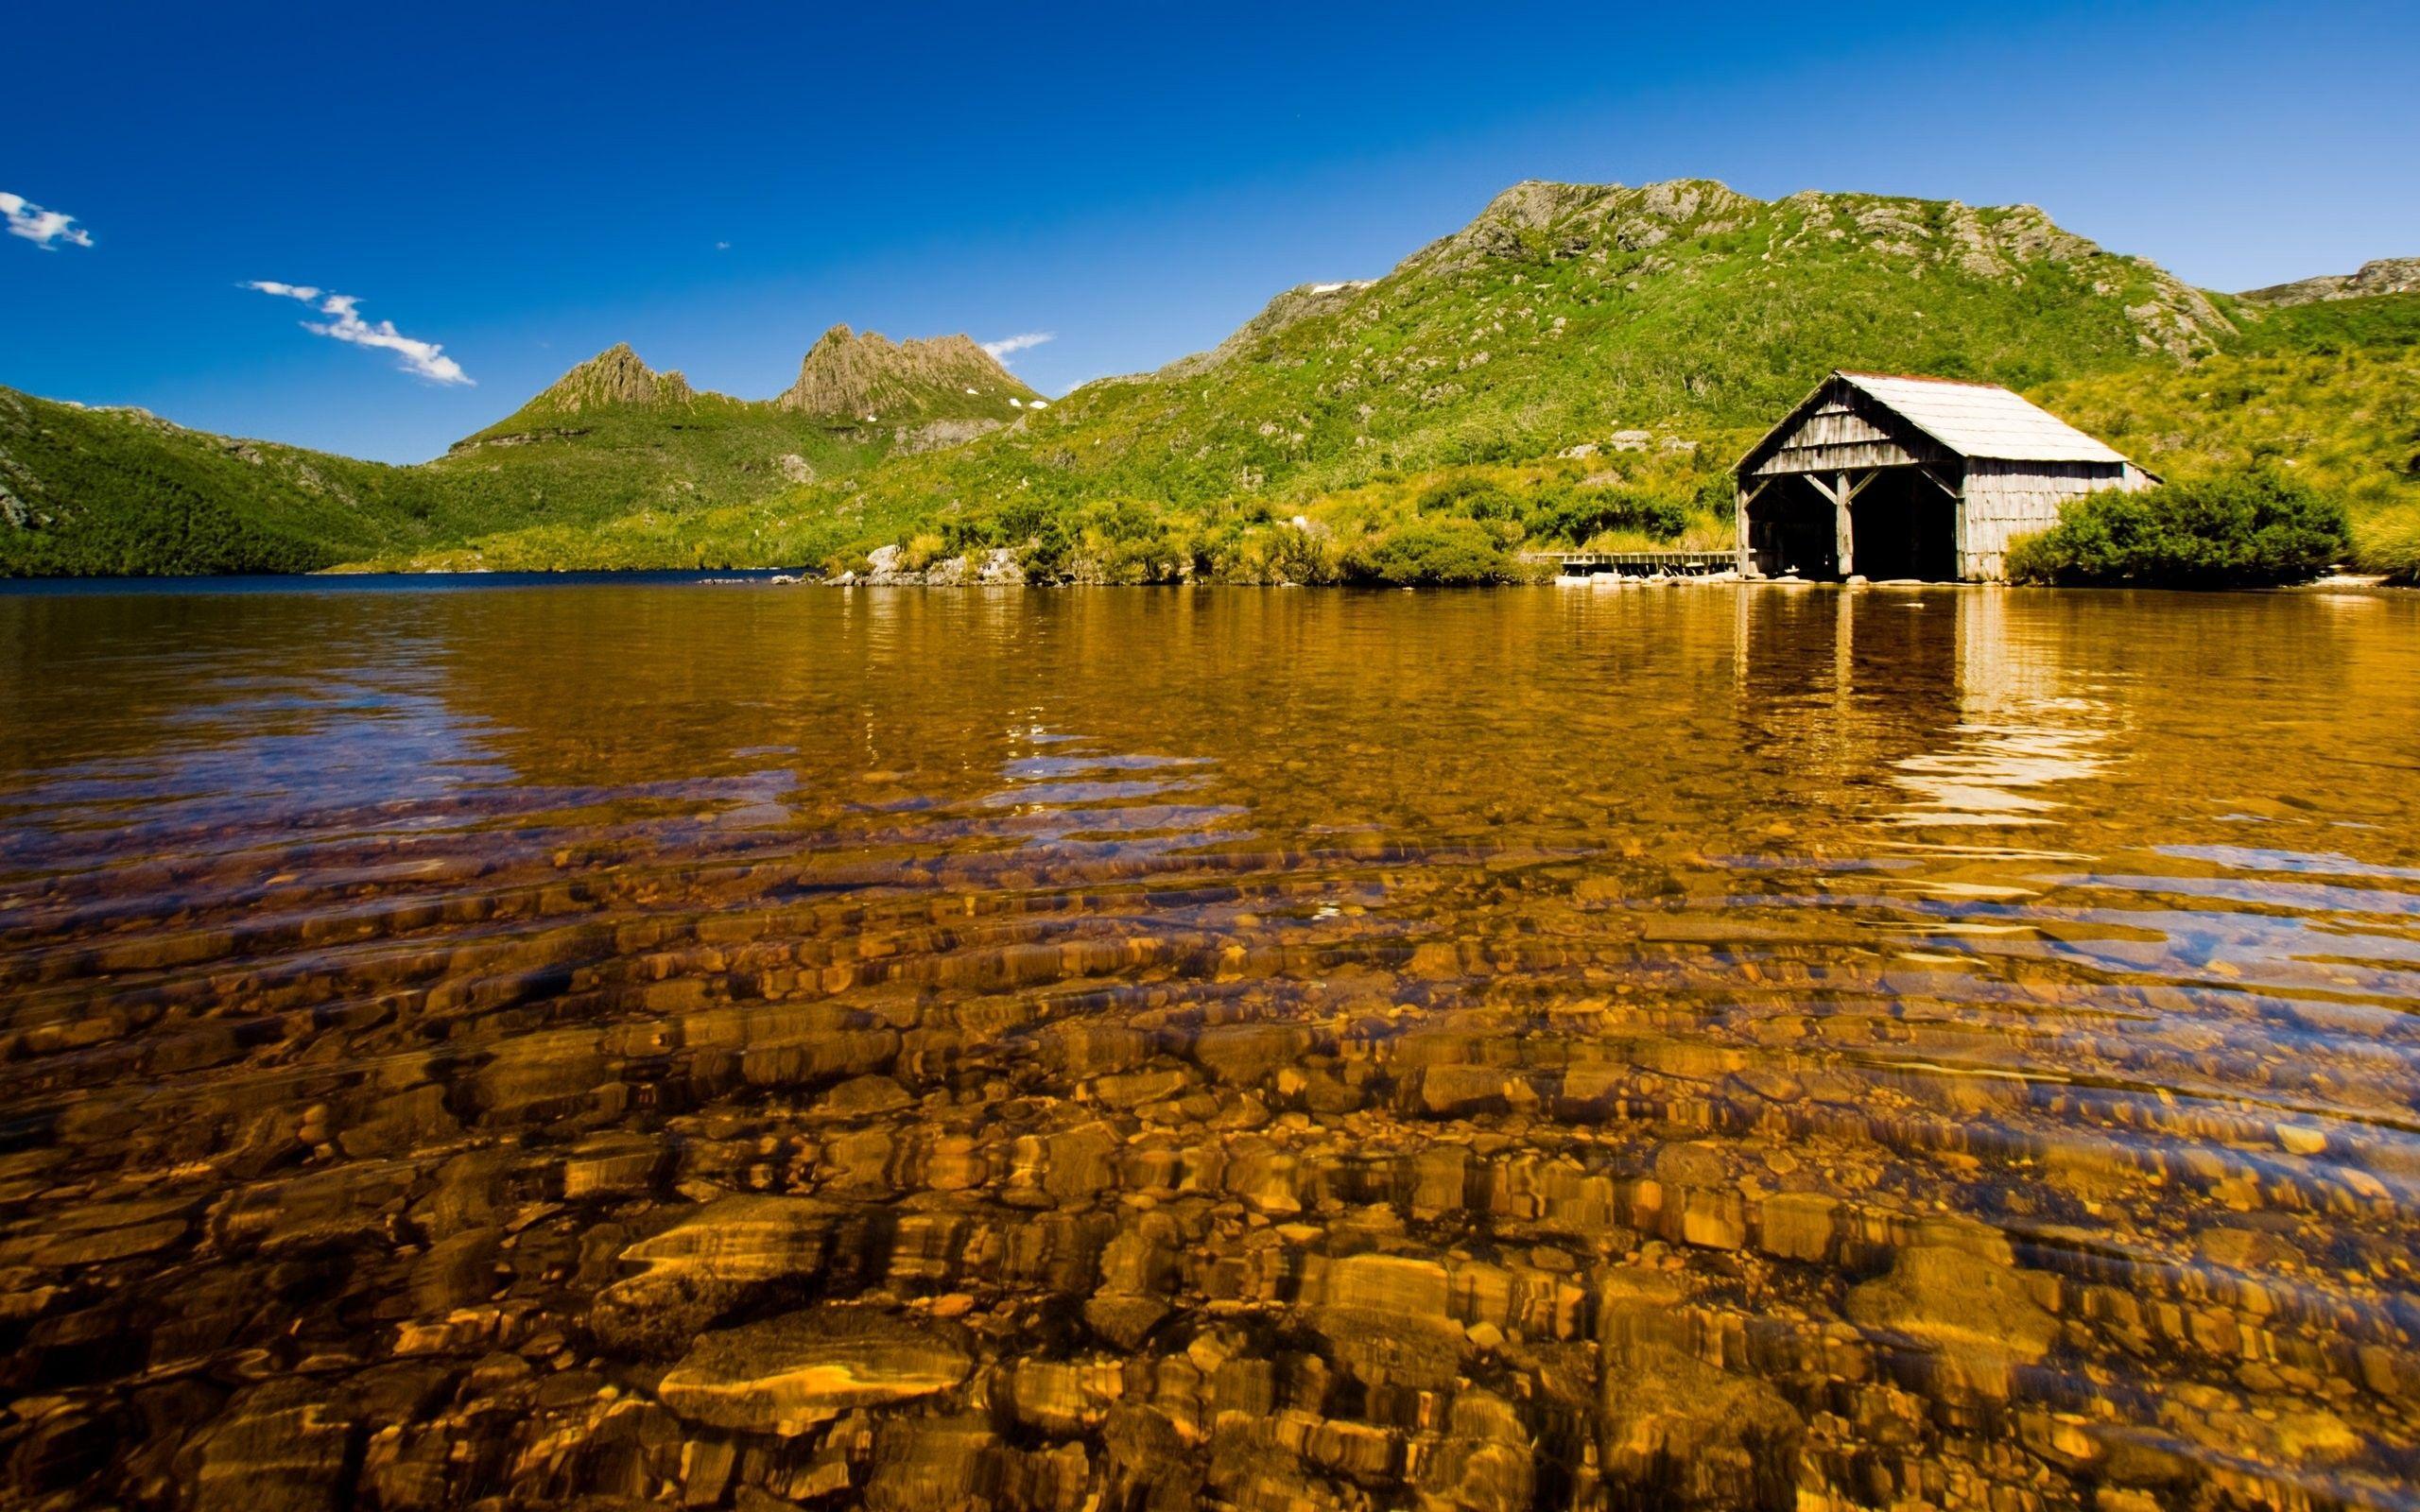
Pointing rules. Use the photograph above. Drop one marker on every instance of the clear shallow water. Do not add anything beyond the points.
(1153, 1048)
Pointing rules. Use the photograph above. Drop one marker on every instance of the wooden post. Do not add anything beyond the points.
(1843, 533)
(1748, 497)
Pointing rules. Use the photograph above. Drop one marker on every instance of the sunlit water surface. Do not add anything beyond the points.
(737, 1045)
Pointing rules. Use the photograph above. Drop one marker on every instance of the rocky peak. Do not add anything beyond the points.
(1653, 226)
(2384, 275)
(615, 376)
(848, 376)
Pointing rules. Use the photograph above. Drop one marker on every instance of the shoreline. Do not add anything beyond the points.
(2342, 585)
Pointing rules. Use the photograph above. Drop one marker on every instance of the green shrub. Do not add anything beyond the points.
(2389, 543)
(1575, 514)
(1472, 498)
(1307, 557)
(2244, 529)
(1434, 551)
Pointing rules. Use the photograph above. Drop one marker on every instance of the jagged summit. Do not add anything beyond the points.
(615, 376)
(2384, 275)
(870, 377)
(919, 395)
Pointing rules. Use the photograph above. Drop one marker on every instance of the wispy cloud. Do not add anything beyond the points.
(45, 229)
(1002, 348)
(426, 358)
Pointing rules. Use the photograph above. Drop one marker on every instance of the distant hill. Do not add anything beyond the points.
(118, 490)
(932, 392)
(85, 491)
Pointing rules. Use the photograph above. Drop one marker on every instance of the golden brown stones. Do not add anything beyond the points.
(788, 1374)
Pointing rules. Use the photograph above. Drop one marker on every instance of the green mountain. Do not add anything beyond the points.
(118, 490)
(1564, 316)
(1579, 364)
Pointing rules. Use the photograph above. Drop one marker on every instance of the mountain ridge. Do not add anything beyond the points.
(2381, 275)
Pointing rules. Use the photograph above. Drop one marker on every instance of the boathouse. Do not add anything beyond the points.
(1880, 477)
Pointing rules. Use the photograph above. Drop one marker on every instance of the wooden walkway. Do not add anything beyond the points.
(1641, 563)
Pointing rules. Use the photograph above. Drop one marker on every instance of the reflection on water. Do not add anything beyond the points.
(747, 1047)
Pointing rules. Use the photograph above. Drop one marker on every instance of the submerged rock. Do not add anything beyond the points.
(788, 1374)
(714, 1258)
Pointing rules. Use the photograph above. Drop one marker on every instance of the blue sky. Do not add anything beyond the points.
(523, 186)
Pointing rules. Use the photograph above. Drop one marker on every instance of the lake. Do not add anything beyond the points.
(742, 1045)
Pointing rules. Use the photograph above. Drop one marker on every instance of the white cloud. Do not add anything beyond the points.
(722, 247)
(1001, 349)
(45, 229)
(426, 358)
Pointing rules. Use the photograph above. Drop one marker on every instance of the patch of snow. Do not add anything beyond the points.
(1016, 403)
(1327, 288)
(970, 390)
(1037, 404)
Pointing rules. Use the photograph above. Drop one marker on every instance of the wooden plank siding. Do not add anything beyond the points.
(1842, 429)
(2005, 499)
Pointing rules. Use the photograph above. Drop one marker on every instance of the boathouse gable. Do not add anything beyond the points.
(1885, 476)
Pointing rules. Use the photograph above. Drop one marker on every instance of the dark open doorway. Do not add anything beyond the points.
(1906, 527)
(1902, 523)
(1790, 531)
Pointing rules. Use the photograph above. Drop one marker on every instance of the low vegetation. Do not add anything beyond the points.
(2327, 393)
(2245, 529)
(2389, 544)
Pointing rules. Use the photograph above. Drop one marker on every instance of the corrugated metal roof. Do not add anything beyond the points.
(1982, 420)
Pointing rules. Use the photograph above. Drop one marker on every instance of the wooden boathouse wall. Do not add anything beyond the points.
(2004, 501)
(2000, 465)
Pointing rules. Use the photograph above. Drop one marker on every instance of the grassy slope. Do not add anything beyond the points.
(646, 464)
(182, 501)
(1564, 313)
(2330, 391)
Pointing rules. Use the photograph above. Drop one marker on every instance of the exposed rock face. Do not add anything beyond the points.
(615, 376)
(934, 435)
(2386, 275)
(868, 377)
(886, 566)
